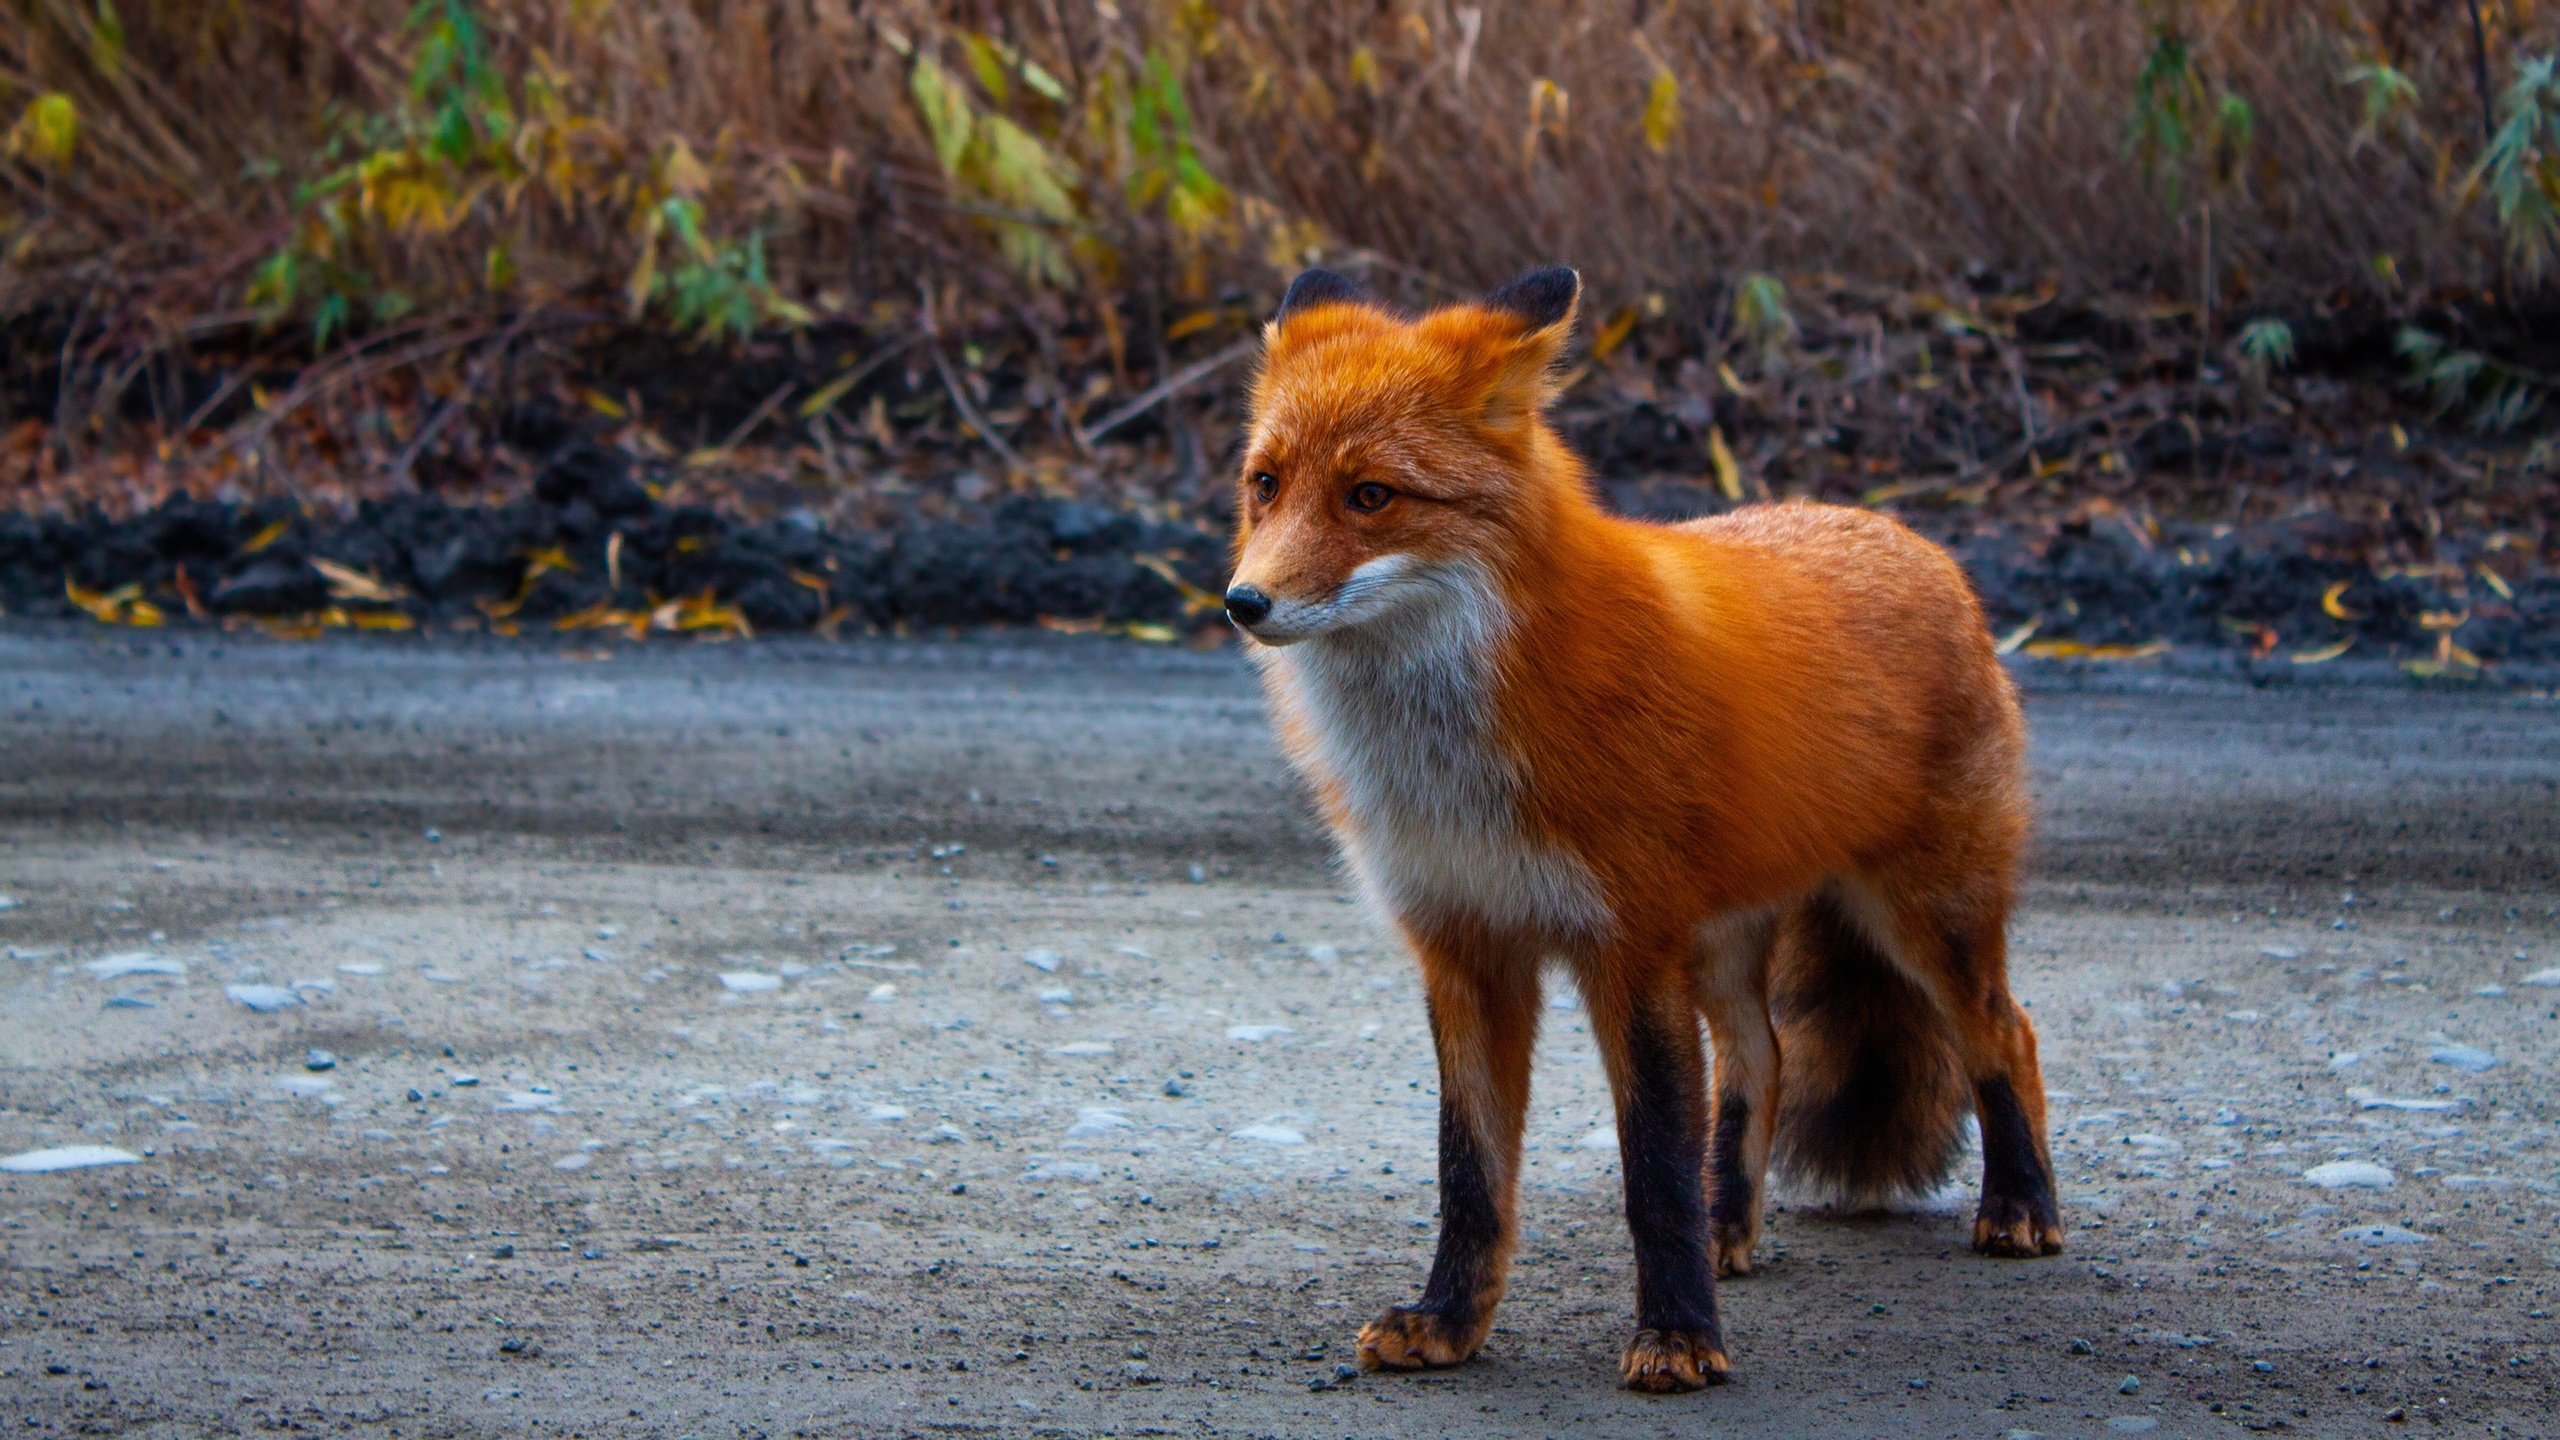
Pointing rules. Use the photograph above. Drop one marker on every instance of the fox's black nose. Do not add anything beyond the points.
(1247, 606)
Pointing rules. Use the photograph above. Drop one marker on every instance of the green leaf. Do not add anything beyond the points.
(945, 110)
(106, 40)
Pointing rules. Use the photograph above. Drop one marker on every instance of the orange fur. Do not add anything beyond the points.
(1541, 729)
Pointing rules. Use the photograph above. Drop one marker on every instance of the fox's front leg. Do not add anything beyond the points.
(1484, 1023)
(1644, 1015)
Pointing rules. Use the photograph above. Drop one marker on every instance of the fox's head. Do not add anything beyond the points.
(1390, 458)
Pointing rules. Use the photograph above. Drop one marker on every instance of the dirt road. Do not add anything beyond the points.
(973, 1039)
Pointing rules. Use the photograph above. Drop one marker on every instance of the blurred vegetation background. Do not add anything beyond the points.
(1031, 227)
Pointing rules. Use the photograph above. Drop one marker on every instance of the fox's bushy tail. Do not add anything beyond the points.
(1872, 1097)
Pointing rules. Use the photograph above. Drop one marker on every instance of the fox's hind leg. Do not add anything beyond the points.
(1954, 942)
(1483, 999)
(1734, 953)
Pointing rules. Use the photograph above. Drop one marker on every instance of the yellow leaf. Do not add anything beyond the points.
(48, 130)
(613, 560)
(1193, 324)
(2325, 653)
(2083, 650)
(90, 600)
(1732, 382)
(2332, 603)
(828, 394)
(606, 405)
(143, 613)
(1662, 111)
(266, 537)
(1066, 625)
(541, 562)
(2445, 620)
(807, 581)
(348, 583)
(1613, 332)
(383, 620)
(1364, 69)
(2009, 643)
(1148, 631)
(684, 173)
(1195, 601)
(1728, 474)
(2496, 581)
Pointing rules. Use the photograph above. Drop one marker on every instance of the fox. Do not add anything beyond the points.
(1762, 769)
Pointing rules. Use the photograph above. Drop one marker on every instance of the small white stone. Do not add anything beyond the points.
(2469, 1059)
(748, 982)
(571, 1162)
(884, 991)
(1045, 961)
(2349, 1175)
(1253, 1034)
(133, 962)
(1070, 1170)
(1085, 1047)
(1096, 1120)
(1603, 1137)
(1272, 1133)
(2547, 979)
(885, 1114)
(265, 999)
(307, 1086)
(66, 1157)
(359, 967)
(2383, 1235)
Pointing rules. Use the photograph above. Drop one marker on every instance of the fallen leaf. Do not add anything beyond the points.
(2009, 643)
(2324, 654)
(2083, 650)
(348, 583)
(2332, 605)
(266, 537)
(1728, 474)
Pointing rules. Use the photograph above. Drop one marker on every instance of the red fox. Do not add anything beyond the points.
(1763, 768)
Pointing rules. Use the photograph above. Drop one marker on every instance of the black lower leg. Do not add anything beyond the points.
(1468, 1266)
(2013, 1164)
(1735, 1202)
(1662, 1144)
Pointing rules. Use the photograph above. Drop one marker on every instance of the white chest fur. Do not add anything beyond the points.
(1400, 715)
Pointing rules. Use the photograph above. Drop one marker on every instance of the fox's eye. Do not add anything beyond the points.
(1266, 486)
(1369, 496)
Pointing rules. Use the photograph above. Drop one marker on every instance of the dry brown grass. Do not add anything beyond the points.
(1897, 143)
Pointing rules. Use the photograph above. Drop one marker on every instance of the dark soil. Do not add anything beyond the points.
(2104, 581)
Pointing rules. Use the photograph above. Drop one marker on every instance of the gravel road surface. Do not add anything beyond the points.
(974, 1039)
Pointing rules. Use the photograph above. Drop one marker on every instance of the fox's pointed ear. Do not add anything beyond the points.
(1319, 287)
(1543, 299)
(1542, 303)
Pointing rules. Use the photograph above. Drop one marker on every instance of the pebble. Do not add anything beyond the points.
(2349, 1175)
(601, 957)
(2131, 1385)
(2367, 1100)
(2489, 992)
(1096, 1120)
(1044, 961)
(2470, 1059)
(11, 903)
(884, 991)
(2263, 1367)
(465, 1080)
(1251, 1034)
(571, 1162)
(1071, 1170)
(1604, 1137)
(885, 1114)
(265, 999)
(2280, 952)
(748, 982)
(359, 967)
(66, 1157)
(1272, 1133)
(319, 1060)
(1085, 1047)
(125, 1002)
(133, 962)
(2547, 979)
(2383, 1235)
(308, 1087)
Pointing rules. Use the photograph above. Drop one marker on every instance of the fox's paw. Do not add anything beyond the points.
(1668, 1362)
(1731, 1245)
(1407, 1339)
(2014, 1229)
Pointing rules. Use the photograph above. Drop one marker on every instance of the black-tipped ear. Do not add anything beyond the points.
(1541, 297)
(1319, 287)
